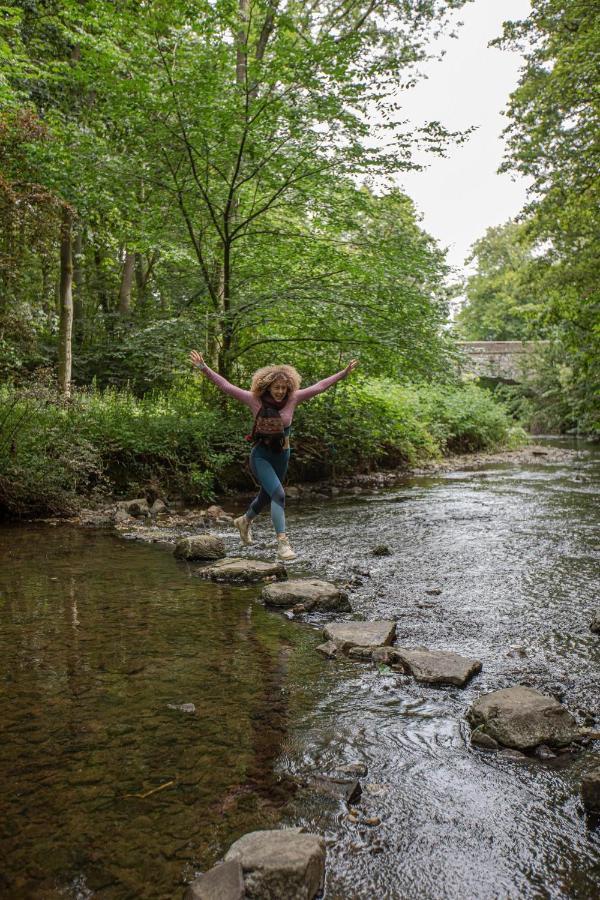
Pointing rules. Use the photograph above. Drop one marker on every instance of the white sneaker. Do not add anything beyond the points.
(244, 526)
(284, 551)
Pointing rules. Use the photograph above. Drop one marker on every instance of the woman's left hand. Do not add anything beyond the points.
(351, 365)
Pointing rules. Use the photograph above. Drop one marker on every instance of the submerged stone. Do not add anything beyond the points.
(346, 789)
(522, 718)
(360, 634)
(381, 550)
(595, 624)
(244, 571)
(312, 593)
(223, 882)
(280, 865)
(438, 666)
(200, 546)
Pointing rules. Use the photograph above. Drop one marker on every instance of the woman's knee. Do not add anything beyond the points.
(278, 496)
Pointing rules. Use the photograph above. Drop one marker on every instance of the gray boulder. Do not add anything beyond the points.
(590, 789)
(360, 634)
(522, 718)
(438, 666)
(280, 865)
(310, 592)
(200, 546)
(158, 507)
(244, 571)
(138, 507)
(595, 624)
(223, 882)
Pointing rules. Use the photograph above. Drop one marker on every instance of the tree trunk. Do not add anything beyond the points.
(126, 283)
(66, 302)
(78, 309)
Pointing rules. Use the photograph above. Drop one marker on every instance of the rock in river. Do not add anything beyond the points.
(201, 546)
(522, 718)
(595, 624)
(360, 634)
(280, 865)
(244, 571)
(438, 666)
(223, 882)
(590, 789)
(311, 592)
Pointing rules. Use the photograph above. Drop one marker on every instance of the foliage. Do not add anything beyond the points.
(56, 455)
(501, 304)
(217, 145)
(553, 140)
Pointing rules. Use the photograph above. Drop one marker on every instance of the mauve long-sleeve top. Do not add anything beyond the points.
(253, 402)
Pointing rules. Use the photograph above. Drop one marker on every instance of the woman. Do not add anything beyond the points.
(273, 397)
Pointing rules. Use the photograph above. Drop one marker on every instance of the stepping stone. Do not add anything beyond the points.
(223, 882)
(522, 718)
(280, 864)
(243, 571)
(595, 624)
(438, 666)
(360, 634)
(310, 592)
(201, 546)
(590, 790)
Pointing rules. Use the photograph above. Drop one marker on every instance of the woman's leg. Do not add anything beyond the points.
(273, 488)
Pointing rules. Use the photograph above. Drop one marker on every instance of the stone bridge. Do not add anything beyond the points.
(500, 360)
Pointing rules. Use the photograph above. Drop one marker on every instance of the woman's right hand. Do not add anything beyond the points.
(197, 358)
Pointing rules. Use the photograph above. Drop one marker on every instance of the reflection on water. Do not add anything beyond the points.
(99, 636)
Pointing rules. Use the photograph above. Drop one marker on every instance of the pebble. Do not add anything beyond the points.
(352, 819)
(372, 820)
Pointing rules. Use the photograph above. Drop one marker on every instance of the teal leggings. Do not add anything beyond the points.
(269, 468)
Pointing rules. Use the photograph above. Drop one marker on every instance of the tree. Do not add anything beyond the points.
(500, 301)
(248, 117)
(553, 139)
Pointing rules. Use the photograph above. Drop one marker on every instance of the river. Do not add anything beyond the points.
(112, 790)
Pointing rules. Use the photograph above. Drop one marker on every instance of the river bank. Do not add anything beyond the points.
(175, 514)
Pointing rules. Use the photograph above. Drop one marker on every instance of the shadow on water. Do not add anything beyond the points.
(99, 636)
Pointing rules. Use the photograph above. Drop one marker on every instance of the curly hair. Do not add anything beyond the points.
(264, 378)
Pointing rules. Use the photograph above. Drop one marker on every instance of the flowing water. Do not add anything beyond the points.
(110, 790)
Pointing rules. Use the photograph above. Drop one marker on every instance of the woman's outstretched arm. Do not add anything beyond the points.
(246, 397)
(318, 388)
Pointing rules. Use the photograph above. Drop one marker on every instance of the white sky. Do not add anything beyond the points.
(462, 195)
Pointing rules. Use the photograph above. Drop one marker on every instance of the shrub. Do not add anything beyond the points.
(189, 441)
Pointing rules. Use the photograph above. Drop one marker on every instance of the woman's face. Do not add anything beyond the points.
(279, 389)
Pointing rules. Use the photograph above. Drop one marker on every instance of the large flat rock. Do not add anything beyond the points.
(522, 718)
(200, 546)
(243, 571)
(360, 634)
(437, 666)
(280, 865)
(223, 882)
(310, 592)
